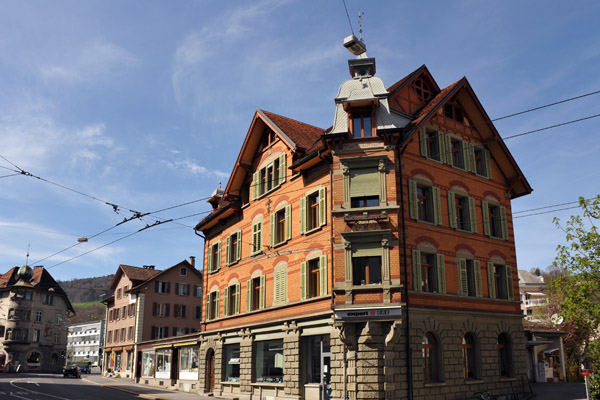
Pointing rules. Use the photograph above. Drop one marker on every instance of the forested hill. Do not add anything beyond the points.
(87, 290)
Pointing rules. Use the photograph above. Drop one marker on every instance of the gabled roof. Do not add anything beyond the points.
(491, 139)
(40, 280)
(298, 137)
(184, 263)
(135, 274)
(421, 71)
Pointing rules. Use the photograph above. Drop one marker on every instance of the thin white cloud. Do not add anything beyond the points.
(96, 60)
(194, 168)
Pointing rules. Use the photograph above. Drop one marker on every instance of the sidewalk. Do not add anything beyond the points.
(559, 391)
(143, 391)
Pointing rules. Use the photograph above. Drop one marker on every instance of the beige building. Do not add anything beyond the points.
(532, 291)
(34, 311)
(149, 304)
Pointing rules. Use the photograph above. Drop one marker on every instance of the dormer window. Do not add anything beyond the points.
(268, 138)
(361, 124)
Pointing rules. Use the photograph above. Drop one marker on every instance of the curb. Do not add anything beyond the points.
(146, 396)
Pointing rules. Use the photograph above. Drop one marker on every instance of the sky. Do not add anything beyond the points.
(145, 105)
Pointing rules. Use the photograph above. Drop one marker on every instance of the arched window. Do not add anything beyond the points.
(503, 355)
(430, 357)
(469, 356)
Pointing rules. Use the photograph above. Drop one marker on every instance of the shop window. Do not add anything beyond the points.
(281, 225)
(461, 212)
(430, 352)
(268, 361)
(429, 272)
(163, 363)
(232, 300)
(494, 220)
(148, 364)
(269, 177)
(313, 278)
(214, 257)
(312, 211)
(425, 203)
(212, 305)
(233, 247)
(231, 363)
(469, 348)
(255, 292)
(188, 362)
(469, 272)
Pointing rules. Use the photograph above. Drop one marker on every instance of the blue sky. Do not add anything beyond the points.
(145, 104)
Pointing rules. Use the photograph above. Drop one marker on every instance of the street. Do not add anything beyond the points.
(55, 387)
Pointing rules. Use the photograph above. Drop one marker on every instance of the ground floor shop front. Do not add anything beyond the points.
(452, 355)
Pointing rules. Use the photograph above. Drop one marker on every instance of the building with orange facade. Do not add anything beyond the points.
(372, 259)
(149, 304)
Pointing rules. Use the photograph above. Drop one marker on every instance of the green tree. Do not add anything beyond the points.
(578, 290)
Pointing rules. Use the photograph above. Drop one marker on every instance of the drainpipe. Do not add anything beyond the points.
(409, 369)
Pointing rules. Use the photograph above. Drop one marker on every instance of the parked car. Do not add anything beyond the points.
(71, 370)
(84, 368)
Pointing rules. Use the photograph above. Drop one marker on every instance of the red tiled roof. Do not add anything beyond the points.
(302, 134)
(139, 274)
(540, 327)
(402, 81)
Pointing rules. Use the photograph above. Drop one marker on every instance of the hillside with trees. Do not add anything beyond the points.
(85, 296)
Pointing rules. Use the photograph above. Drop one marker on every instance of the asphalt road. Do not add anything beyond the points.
(54, 387)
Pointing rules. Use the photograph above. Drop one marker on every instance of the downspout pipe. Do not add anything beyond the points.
(409, 366)
(205, 281)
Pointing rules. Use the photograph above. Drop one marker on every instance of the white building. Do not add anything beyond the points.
(85, 342)
(532, 290)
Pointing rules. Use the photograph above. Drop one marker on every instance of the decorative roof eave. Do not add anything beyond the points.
(289, 142)
(410, 77)
(212, 219)
(513, 174)
(310, 160)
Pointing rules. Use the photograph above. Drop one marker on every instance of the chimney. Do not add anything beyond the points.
(193, 261)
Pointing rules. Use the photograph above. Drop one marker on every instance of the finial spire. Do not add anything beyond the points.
(27, 255)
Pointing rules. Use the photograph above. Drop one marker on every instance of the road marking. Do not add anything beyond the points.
(34, 383)
(28, 391)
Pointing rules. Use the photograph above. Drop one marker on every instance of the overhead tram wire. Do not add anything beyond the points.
(550, 127)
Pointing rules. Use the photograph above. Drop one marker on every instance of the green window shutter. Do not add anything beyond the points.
(472, 215)
(323, 275)
(237, 298)
(503, 223)
(282, 169)
(364, 182)
(491, 285)
(437, 205)
(466, 156)
(226, 302)
(255, 183)
(210, 259)
(217, 309)
(447, 150)
(248, 295)
(486, 217)
(462, 277)
(413, 200)
(218, 260)
(262, 291)
(509, 283)
(416, 262)
(303, 281)
(228, 250)
(238, 256)
(441, 146)
(488, 164)
(272, 229)
(452, 210)
(302, 215)
(322, 207)
(471, 156)
(207, 315)
(288, 222)
(478, 285)
(423, 142)
(441, 272)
